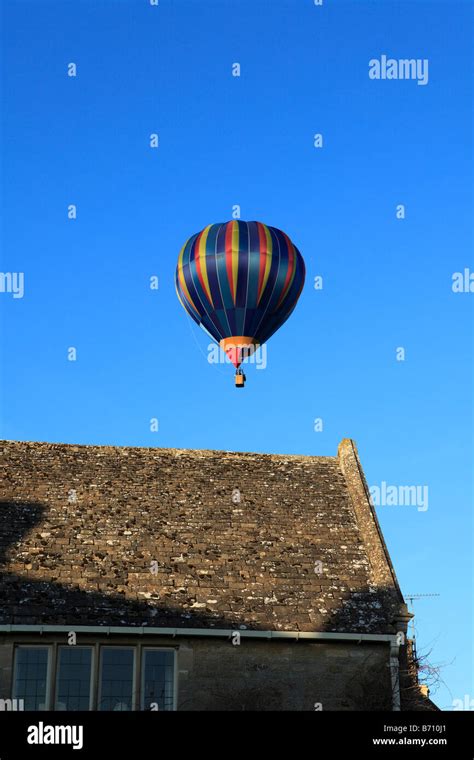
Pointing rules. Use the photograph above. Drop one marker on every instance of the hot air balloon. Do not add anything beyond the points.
(239, 281)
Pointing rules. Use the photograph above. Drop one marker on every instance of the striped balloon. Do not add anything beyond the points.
(239, 281)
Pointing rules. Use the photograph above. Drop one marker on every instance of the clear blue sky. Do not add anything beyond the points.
(249, 141)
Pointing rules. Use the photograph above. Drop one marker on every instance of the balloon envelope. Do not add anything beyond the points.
(239, 281)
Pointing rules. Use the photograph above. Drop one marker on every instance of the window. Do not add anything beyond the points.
(157, 690)
(30, 681)
(116, 679)
(92, 676)
(73, 681)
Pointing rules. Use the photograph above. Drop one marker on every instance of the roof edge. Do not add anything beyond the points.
(390, 638)
(382, 570)
(164, 450)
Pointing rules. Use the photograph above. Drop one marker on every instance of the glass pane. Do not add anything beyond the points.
(31, 673)
(116, 679)
(157, 680)
(73, 683)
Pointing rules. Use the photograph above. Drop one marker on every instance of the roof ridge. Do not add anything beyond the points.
(164, 449)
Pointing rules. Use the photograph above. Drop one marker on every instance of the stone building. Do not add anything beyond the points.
(144, 579)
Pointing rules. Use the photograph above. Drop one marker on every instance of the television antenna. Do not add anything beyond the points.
(411, 598)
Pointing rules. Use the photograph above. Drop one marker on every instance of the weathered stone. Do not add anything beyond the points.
(152, 523)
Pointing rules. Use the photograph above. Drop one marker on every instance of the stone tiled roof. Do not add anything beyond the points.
(165, 537)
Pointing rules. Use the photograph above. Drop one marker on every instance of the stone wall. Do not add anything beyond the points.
(276, 676)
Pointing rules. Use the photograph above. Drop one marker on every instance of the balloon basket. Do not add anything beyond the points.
(239, 380)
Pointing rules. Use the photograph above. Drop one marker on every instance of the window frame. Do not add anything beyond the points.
(134, 648)
(49, 668)
(58, 648)
(141, 684)
(139, 650)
